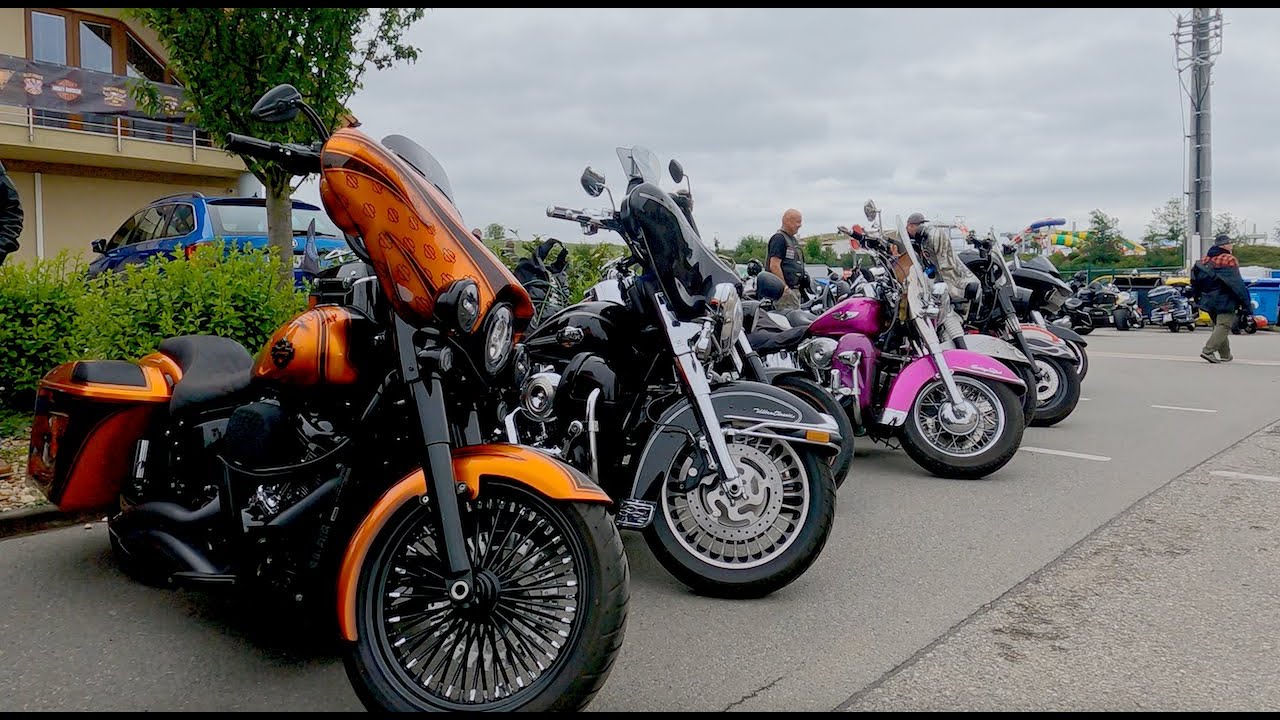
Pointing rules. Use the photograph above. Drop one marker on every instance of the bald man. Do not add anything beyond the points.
(787, 261)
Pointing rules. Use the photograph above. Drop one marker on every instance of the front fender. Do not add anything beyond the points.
(994, 347)
(743, 405)
(1066, 334)
(775, 372)
(471, 464)
(1047, 344)
(905, 388)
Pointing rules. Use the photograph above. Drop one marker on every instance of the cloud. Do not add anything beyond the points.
(996, 116)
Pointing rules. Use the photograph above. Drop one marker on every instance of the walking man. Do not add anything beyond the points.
(1222, 293)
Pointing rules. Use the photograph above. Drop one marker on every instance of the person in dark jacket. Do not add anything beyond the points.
(1222, 294)
(10, 215)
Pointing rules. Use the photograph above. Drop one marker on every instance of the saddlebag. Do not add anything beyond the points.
(89, 418)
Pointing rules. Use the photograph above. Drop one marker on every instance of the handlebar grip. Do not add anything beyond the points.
(247, 145)
(556, 211)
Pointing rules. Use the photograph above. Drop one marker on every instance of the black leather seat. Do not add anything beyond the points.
(767, 342)
(801, 317)
(212, 368)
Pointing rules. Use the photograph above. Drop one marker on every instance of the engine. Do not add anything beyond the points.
(263, 436)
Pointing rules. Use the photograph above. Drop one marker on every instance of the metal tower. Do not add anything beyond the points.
(1198, 41)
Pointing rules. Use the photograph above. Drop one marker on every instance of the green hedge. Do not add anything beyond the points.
(51, 313)
(38, 306)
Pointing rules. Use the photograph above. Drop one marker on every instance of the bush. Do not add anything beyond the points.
(233, 294)
(50, 313)
(37, 313)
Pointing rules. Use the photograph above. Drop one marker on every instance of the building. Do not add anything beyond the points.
(78, 149)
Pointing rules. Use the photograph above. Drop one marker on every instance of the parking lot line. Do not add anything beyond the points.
(1243, 476)
(1175, 407)
(1065, 453)
(1181, 358)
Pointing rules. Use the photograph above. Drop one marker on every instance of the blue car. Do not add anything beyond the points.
(174, 226)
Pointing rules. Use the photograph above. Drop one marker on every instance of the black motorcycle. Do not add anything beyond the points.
(1053, 370)
(728, 479)
(1042, 294)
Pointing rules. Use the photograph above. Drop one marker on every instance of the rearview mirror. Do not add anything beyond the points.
(278, 105)
(844, 230)
(870, 210)
(99, 246)
(592, 182)
(677, 172)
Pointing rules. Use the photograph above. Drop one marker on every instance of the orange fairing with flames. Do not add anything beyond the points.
(415, 236)
(470, 464)
(314, 348)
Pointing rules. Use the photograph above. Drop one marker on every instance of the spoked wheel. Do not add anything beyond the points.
(541, 631)
(1057, 391)
(968, 442)
(750, 537)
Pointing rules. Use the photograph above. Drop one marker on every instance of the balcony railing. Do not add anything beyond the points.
(114, 125)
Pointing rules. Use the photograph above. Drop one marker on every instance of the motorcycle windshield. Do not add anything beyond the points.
(398, 201)
(422, 161)
(677, 259)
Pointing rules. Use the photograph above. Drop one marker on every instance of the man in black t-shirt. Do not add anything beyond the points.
(786, 260)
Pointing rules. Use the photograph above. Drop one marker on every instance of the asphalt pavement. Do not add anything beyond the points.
(924, 592)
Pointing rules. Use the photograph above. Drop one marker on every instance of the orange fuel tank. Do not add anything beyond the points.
(313, 349)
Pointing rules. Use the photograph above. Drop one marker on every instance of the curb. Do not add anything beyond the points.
(26, 521)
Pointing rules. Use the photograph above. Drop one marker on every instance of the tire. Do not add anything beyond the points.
(1174, 327)
(683, 519)
(1029, 400)
(993, 457)
(1121, 319)
(822, 401)
(1085, 327)
(579, 540)
(1066, 385)
(1082, 367)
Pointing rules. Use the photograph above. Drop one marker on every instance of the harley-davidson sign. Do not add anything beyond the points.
(27, 83)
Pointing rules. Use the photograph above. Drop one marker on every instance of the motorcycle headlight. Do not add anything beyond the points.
(498, 334)
(817, 352)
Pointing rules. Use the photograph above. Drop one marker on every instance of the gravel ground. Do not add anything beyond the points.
(15, 491)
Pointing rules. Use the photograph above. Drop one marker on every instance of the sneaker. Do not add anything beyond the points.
(1209, 357)
(1224, 358)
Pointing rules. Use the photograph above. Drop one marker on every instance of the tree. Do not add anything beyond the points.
(1168, 225)
(226, 58)
(1103, 245)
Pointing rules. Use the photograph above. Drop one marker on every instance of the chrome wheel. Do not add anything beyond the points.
(934, 411)
(748, 522)
(1047, 381)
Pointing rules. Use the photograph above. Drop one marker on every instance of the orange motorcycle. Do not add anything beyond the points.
(345, 461)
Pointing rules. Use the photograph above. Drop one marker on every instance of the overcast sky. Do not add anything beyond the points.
(999, 117)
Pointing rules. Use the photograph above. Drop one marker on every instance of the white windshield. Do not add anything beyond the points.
(640, 163)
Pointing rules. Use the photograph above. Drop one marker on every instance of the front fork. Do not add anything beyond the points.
(680, 335)
(433, 421)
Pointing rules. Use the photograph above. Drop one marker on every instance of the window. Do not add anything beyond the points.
(182, 221)
(91, 42)
(48, 38)
(150, 225)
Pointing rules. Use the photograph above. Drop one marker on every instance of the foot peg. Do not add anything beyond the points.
(635, 514)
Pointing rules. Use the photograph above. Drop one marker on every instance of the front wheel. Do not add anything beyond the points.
(957, 445)
(754, 536)
(822, 401)
(540, 633)
(1057, 393)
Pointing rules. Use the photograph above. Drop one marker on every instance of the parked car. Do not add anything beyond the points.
(174, 226)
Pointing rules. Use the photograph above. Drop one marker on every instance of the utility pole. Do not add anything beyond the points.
(1198, 41)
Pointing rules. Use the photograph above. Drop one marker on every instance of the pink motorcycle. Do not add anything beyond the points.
(957, 413)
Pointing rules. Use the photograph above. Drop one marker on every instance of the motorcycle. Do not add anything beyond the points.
(1171, 308)
(727, 479)
(957, 413)
(1054, 374)
(345, 464)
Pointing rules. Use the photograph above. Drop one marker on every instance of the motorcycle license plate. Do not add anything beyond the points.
(1166, 317)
